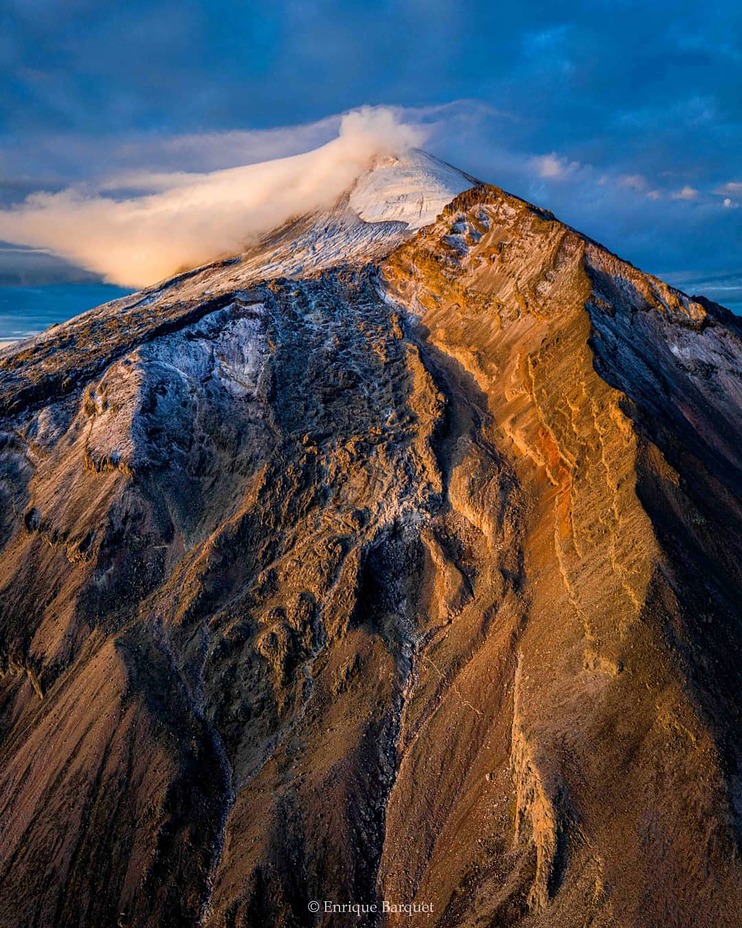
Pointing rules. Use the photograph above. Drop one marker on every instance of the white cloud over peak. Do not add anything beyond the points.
(182, 219)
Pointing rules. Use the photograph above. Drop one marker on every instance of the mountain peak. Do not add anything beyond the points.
(388, 203)
(412, 188)
(372, 564)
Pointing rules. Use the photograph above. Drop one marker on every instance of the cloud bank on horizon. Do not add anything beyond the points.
(187, 219)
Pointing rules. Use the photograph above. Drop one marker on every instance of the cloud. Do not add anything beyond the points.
(554, 167)
(187, 219)
(633, 181)
(686, 193)
(730, 191)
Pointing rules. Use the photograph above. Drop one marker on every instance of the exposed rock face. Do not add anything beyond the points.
(414, 578)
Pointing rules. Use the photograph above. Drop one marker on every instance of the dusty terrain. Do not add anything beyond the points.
(412, 574)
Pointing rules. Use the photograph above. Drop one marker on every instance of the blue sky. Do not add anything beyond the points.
(622, 117)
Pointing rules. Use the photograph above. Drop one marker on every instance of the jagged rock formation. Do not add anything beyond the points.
(376, 564)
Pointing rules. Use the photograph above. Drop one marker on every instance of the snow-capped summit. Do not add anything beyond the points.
(396, 196)
(412, 189)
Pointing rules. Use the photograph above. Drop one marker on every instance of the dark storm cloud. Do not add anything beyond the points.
(623, 117)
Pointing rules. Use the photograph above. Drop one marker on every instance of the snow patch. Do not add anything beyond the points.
(412, 189)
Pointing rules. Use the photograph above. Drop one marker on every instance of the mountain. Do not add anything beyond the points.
(394, 562)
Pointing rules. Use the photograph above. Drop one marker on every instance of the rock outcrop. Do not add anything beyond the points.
(407, 572)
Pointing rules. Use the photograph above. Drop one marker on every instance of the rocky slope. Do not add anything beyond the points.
(376, 564)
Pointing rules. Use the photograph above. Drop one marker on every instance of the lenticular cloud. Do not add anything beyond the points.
(191, 219)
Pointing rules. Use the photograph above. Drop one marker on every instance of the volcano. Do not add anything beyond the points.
(392, 563)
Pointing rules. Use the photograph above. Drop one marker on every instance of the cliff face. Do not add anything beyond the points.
(410, 576)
